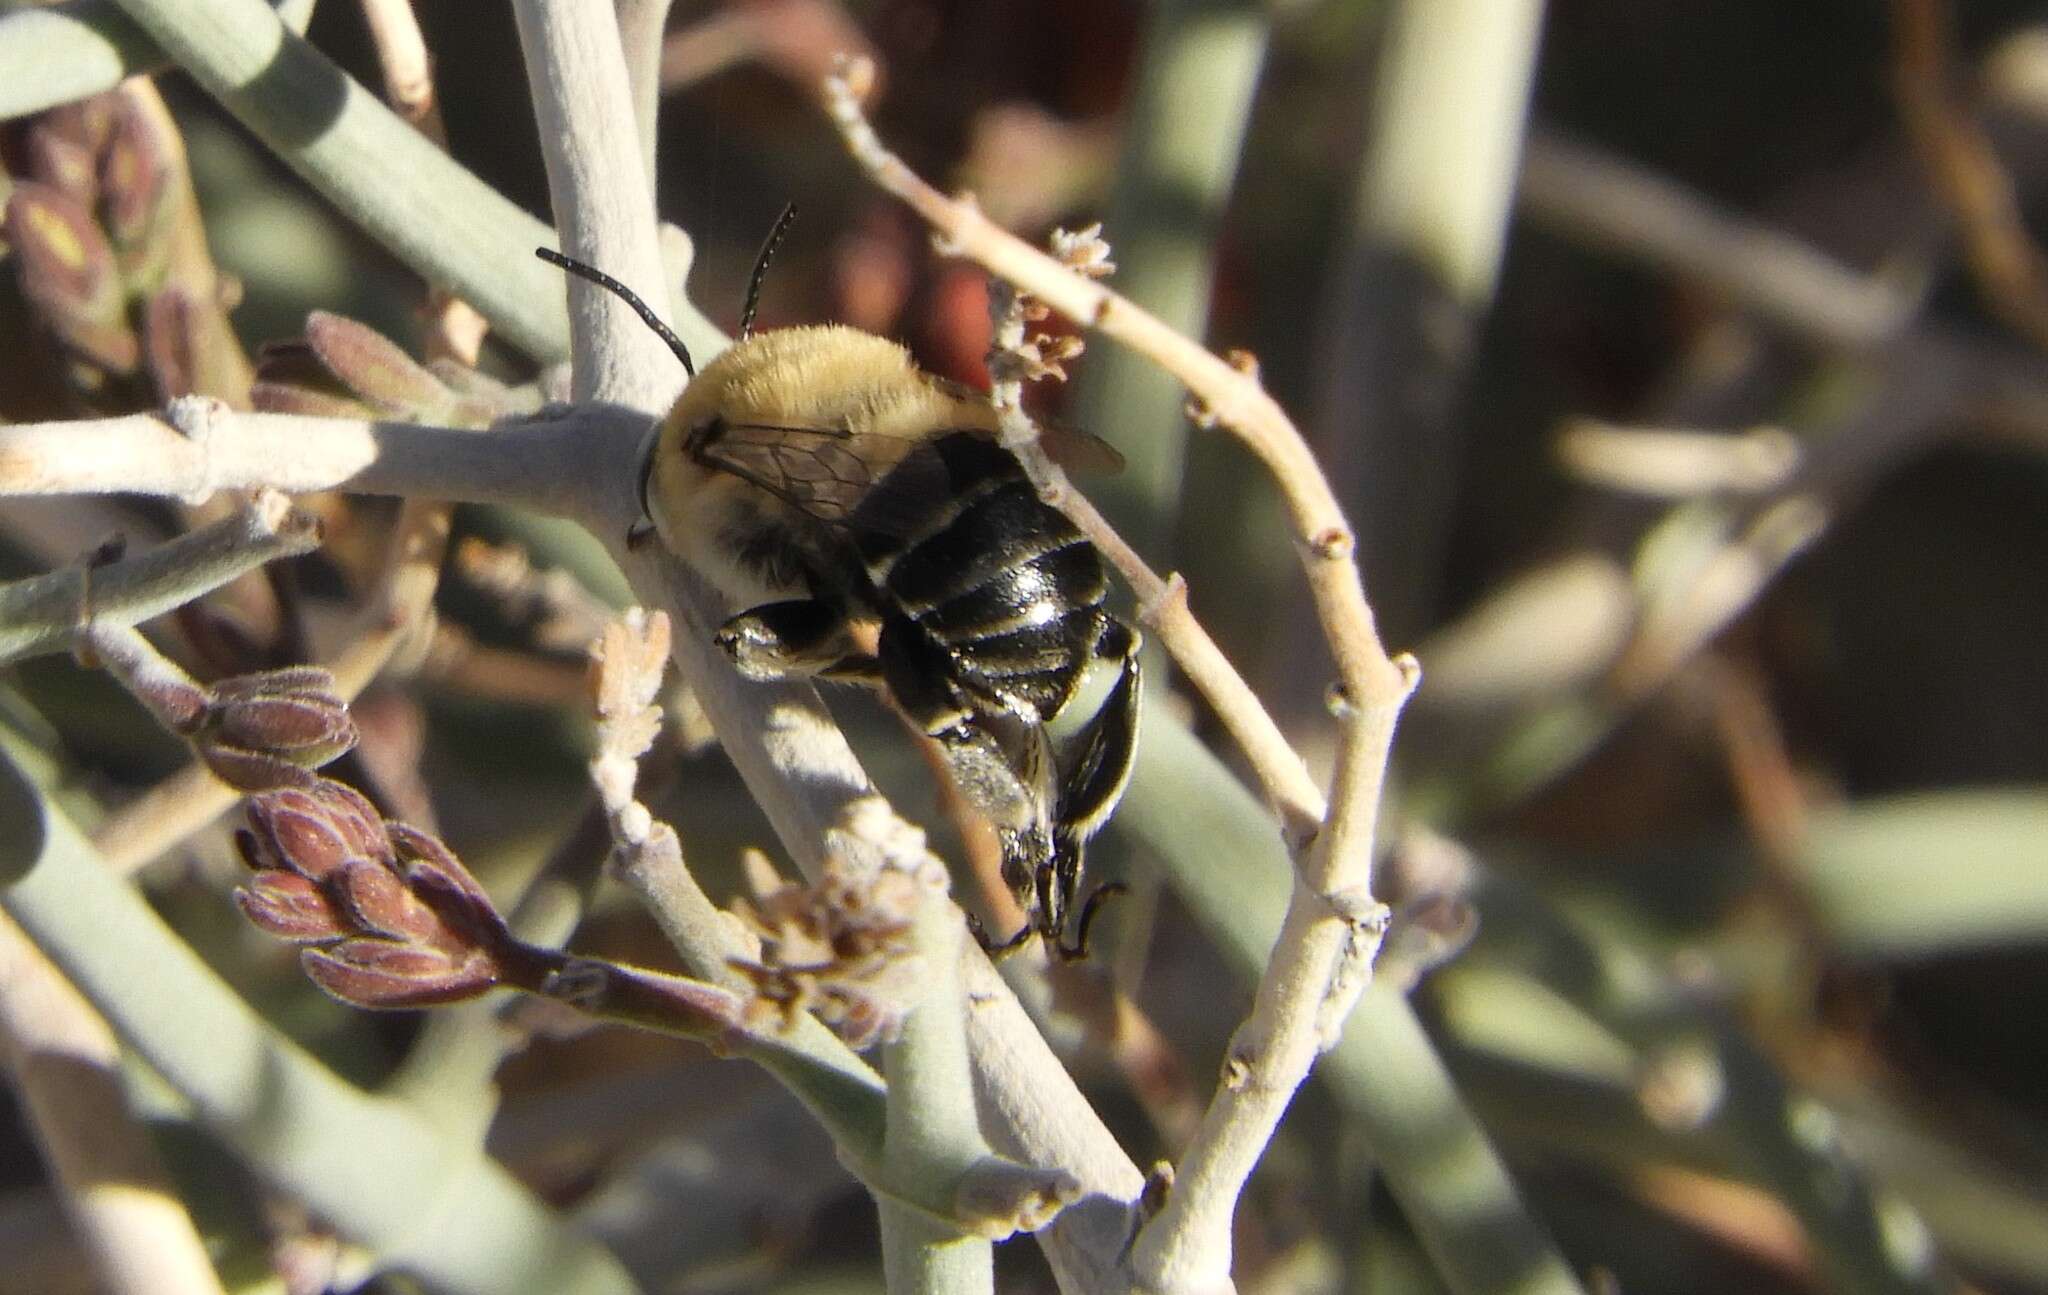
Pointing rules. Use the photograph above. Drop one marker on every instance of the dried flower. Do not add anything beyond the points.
(841, 950)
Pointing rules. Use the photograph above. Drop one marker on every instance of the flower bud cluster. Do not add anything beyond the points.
(388, 916)
(259, 731)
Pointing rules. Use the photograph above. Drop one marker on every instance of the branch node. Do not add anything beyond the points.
(194, 418)
(1237, 1069)
(1152, 1199)
(1356, 906)
(1338, 700)
(996, 1197)
(1410, 669)
(1170, 600)
(1332, 544)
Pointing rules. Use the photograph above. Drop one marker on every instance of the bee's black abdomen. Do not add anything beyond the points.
(974, 540)
(994, 577)
(1022, 595)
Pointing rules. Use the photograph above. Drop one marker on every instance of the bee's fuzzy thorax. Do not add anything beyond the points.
(826, 374)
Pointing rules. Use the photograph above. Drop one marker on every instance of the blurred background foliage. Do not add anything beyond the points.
(1720, 524)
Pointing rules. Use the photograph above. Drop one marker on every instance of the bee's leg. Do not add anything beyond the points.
(1089, 789)
(1002, 765)
(995, 948)
(778, 640)
(859, 668)
(1078, 950)
(1107, 746)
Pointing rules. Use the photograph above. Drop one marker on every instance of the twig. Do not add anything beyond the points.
(65, 1065)
(1677, 463)
(797, 39)
(198, 446)
(42, 614)
(1436, 1156)
(931, 1120)
(641, 23)
(1603, 200)
(604, 209)
(1697, 595)
(1333, 926)
(408, 69)
(2003, 257)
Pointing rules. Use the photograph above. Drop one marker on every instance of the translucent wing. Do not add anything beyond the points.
(874, 484)
(1070, 447)
(1079, 451)
(818, 470)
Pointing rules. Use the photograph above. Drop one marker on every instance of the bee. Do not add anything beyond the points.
(863, 513)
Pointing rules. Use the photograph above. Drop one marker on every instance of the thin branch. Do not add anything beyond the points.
(641, 24)
(407, 67)
(604, 209)
(1677, 463)
(1605, 201)
(41, 614)
(199, 446)
(2003, 256)
(1324, 954)
(931, 1119)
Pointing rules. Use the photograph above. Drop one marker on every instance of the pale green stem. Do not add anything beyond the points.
(1186, 127)
(44, 613)
(931, 1120)
(55, 55)
(922, 1256)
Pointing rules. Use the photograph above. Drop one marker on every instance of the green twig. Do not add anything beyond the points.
(931, 1119)
(44, 613)
(1196, 78)
(54, 55)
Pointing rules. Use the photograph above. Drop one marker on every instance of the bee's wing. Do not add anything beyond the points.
(818, 470)
(1070, 447)
(1079, 451)
(877, 484)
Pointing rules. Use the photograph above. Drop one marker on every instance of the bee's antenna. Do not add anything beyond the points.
(761, 267)
(625, 294)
